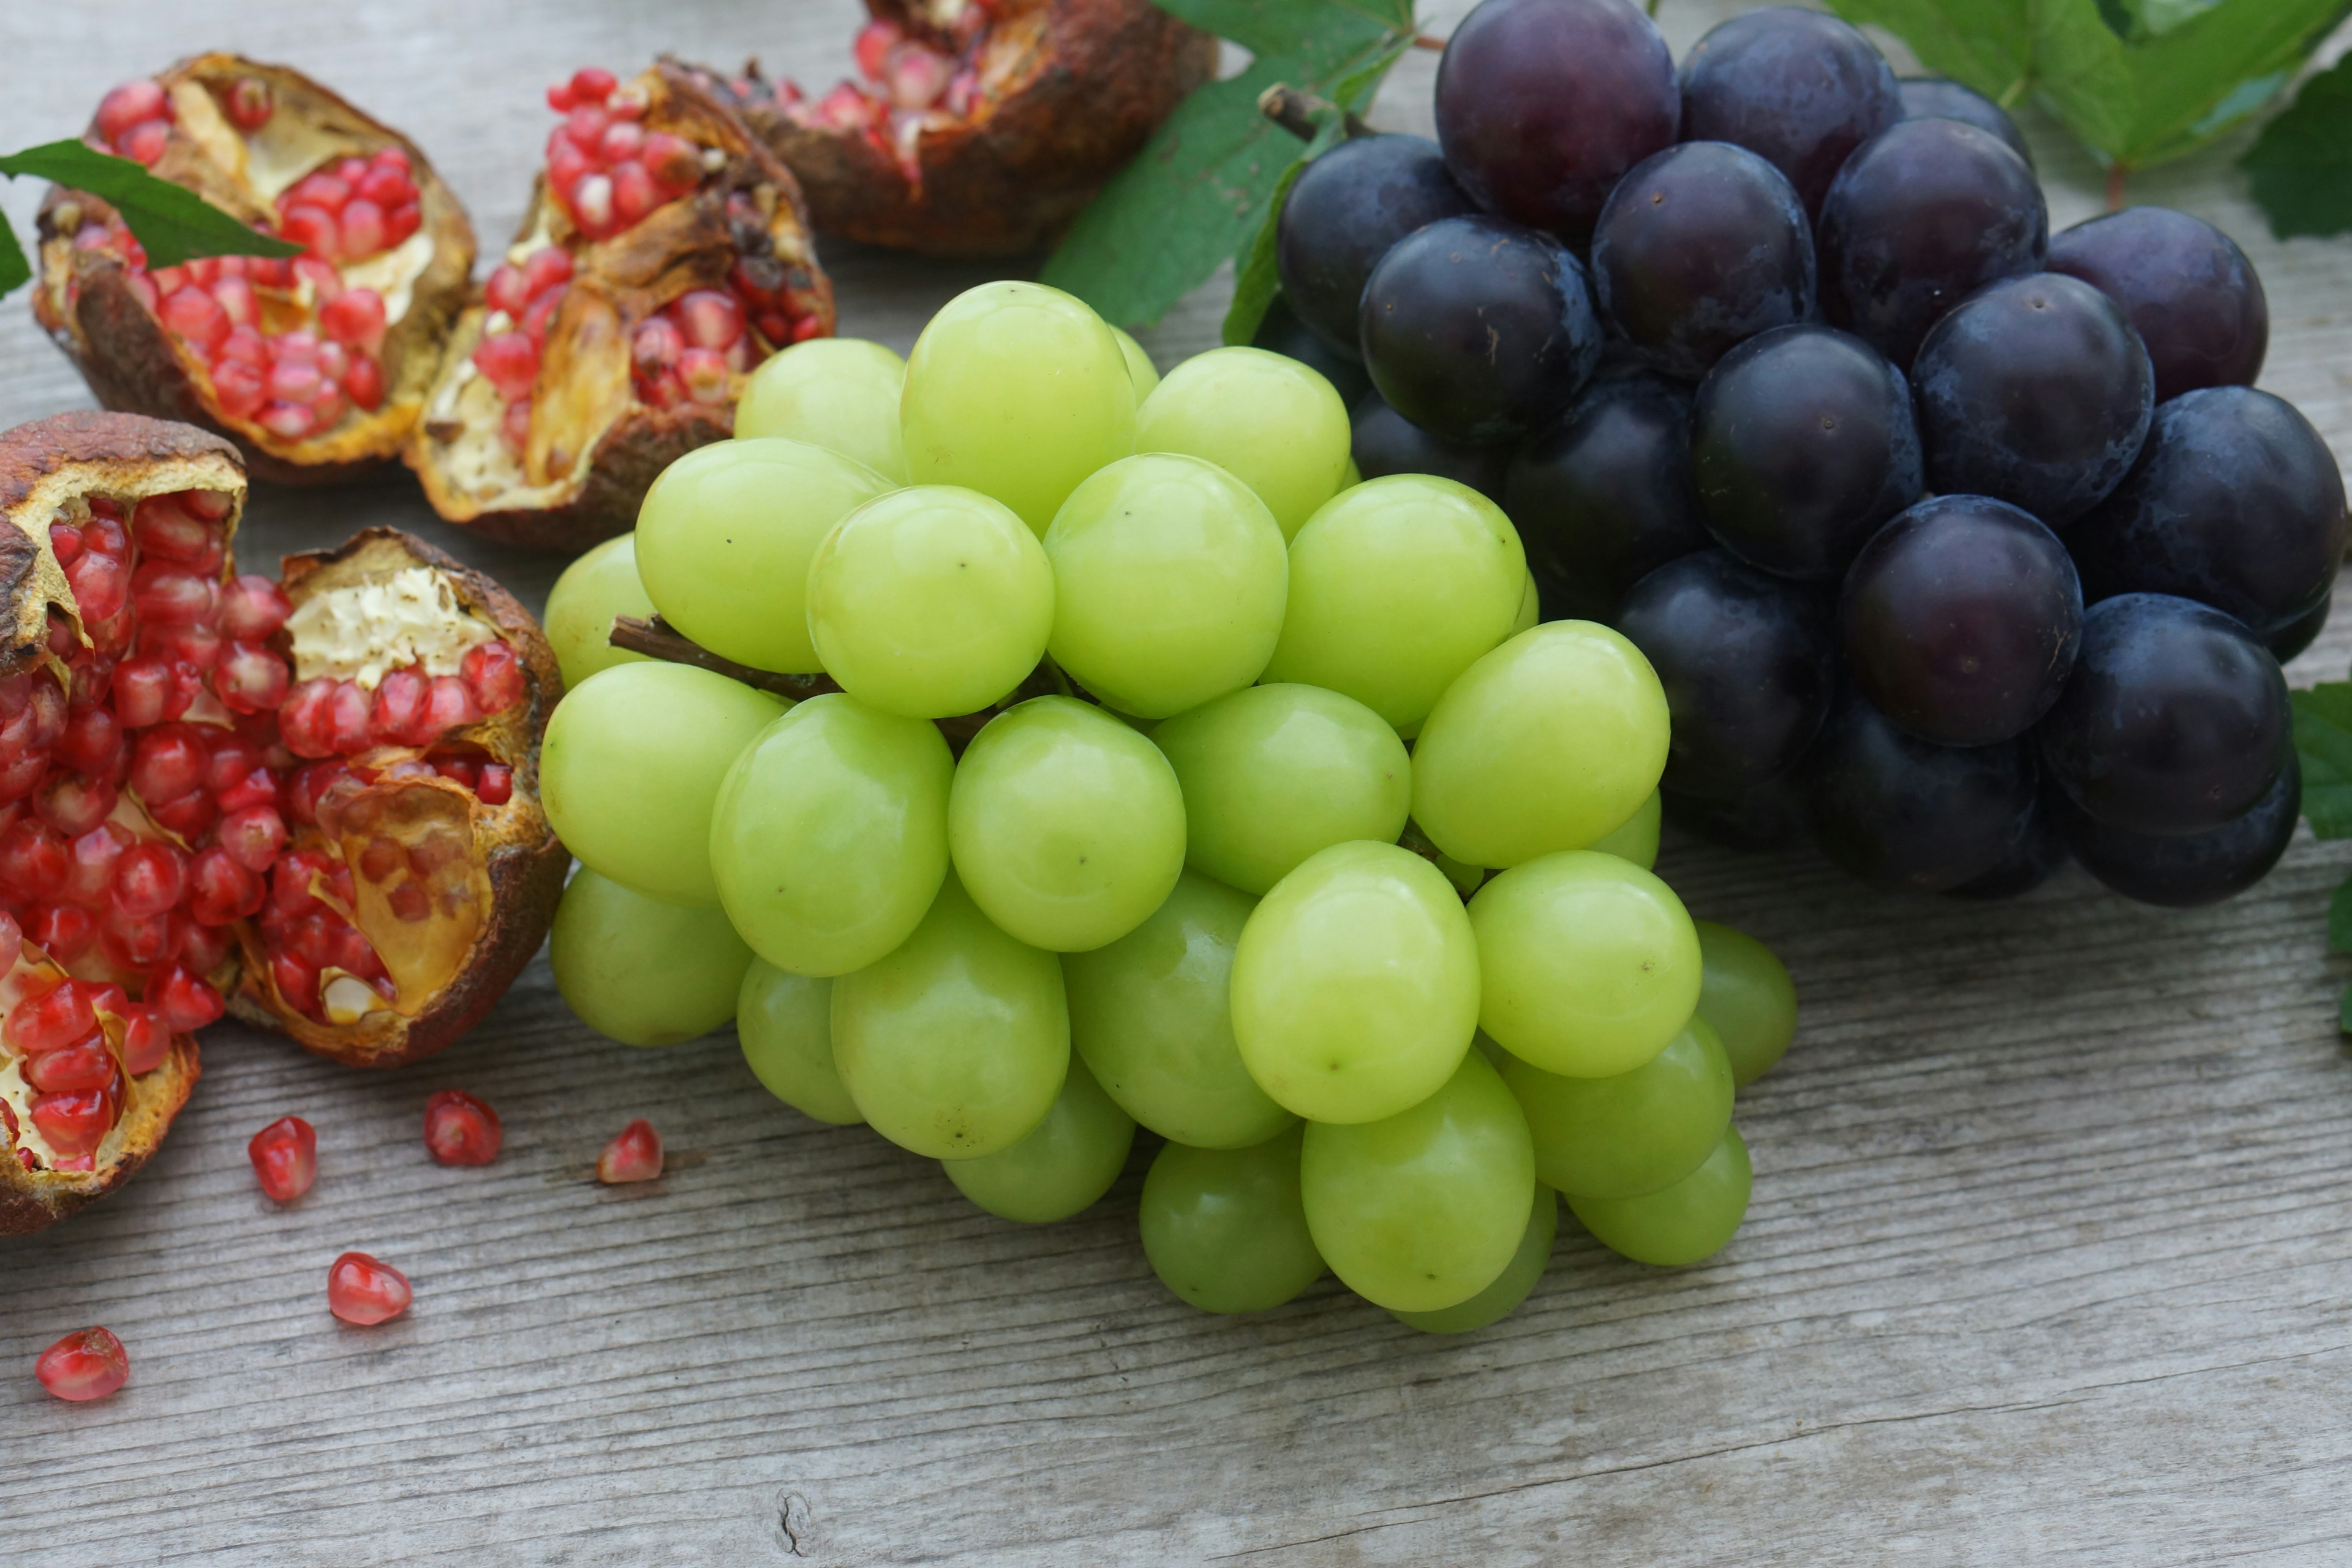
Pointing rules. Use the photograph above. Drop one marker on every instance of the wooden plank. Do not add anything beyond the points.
(2048, 1259)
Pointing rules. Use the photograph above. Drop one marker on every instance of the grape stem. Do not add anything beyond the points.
(2117, 176)
(1298, 113)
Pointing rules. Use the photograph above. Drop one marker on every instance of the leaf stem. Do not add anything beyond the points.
(1437, 46)
(2117, 175)
(1297, 111)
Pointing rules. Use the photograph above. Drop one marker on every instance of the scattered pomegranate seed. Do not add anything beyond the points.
(460, 1129)
(88, 1363)
(364, 1291)
(634, 1155)
(285, 1156)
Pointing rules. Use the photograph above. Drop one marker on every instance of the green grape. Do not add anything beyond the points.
(1140, 370)
(1548, 743)
(1355, 984)
(1352, 476)
(829, 834)
(1168, 582)
(640, 970)
(1620, 1137)
(1396, 586)
(1530, 608)
(630, 770)
(930, 602)
(1682, 1223)
(1152, 1016)
(1636, 838)
(785, 1025)
(1423, 1210)
(955, 1045)
(841, 393)
(1225, 1228)
(1271, 422)
(1746, 992)
(1501, 1298)
(725, 538)
(1588, 964)
(581, 607)
(1059, 1166)
(1066, 826)
(1272, 774)
(1019, 392)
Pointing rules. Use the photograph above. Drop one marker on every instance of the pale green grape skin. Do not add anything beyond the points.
(639, 971)
(1066, 827)
(1271, 422)
(1140, 370)
(1353, 476)
(1151, 1013)
(1637, 1133)
(1019, 392)
(1693, 1219)
(725, 538)
(1225, 1229)
(830, 834)
(930, 602)
(784, 1023)
(1168, 584)
(841, 393)
(1355, 987)
(1530, 608)
(1274, 773)
(955, 1045)
(1396, 587)
(1548, 743)
(630, 769)
(1059, 1166)
(1589, 965)
(1424, 1209)
(1636, 838)
(1746, 992)
(598, 587)
(1511, 1287)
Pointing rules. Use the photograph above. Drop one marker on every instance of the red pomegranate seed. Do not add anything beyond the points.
(197, 644)
(675, 163)
(311, 227)
(32, 859)
(306, 719)
(398, 707)
(634, 194)
(249, 103)
(285, 1156)
(364, 382)
(92, 741)
(167, 762)
(241, 389)
(144, 142)
(364, 1291)
(448, 705)
(19, 777)
(73, 803)
(146, 1039)
(592, 204)
(236, 298)
(514, 428)
(197, 318)
(143, 692)
(705, 374)
(634, 1155)
(65, 542)
(544, 269)
(86, 1064)
(656, 345)
(543, 310)
(505, 290)
(221, 890)
(708, 318)
(251, 607)
(387, 185)
(188, 817)
(354, 318)
(496, 787)
(183, 997)
(403, 221)
(510, 363)
(149, 880)
(494, 675)
(460, 770)
(169, 595)
(74, 1124)
(101, 584)
(64, 932)
(321, 188)
(128, 105)
(251, 678)
(56, 1017)
(12, 940)
(460, 1129)
(363, 227)
(88, 1363)
(165, 529)
(90, 862)
(133, 941)
(296, 982)
(252, 836)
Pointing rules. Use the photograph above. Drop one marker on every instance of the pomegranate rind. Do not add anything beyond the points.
(84, 299)
(594, 450)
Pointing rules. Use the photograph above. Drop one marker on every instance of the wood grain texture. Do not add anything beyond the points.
(2049, 1259)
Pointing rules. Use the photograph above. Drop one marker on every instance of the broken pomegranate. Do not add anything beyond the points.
(665, 253)
(88, 1363)
(285, 1156)
(460, 1129)
(634, 1155)
(317, 365)
(977, 128)
(364, 1291)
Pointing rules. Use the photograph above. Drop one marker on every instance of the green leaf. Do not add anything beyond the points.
(2323, 738)
(2339, 917)
(1986, 44)
(2196, 79)
(15, 270)
(2301, 165)
(171, 221)
(1257, 279)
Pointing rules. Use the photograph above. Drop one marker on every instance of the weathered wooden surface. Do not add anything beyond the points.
(2049, 1259)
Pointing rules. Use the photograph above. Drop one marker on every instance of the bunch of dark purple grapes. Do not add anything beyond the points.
(1958, 549)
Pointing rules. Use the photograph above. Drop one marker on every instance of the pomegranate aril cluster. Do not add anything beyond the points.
(605, 168)
(521, 301)
(136, 119)
(909, 86)
(357, 208)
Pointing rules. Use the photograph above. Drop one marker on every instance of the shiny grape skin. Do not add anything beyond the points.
(1385, 442)
(1479, 331)
(1922, 215)
(1543, 104)
(1939, 98)
(1771, 817)
(1802, 443)
(2035, 391)
(1903, 814)
(1960, 620)
(1747, 661)
(1281, 333)
(2301, 633)
(2235, 502)
(2197, 301)
(2185, 870)
(2176, 720)
(1345, 211)
(1700, 248)
(1603, 496)
(1802, 89)
(2036, 858)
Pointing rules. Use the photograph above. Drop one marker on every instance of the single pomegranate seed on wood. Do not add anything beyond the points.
(285, 1156)
(364, 1291)
(88, 1363)
(460, 1129)
(634, 1155)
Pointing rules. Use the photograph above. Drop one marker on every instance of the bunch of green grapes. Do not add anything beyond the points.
(1096, 752)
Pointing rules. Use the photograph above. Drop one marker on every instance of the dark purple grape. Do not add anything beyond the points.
(2182, 871)
(1281, 331)
(2033, 860)
(2235, 502)
(1901, 814)
(1937, 98)
(1802, 445)
(1603, 496)
(1747, 663)
(1345, 211)
(1701, 246)
(1386, 442)
(2298, 635)
(1542, 105)
(1479, 331)
(1921, 216)
(2191, 292)
(1799, 88)
(1769, 816)
(2176, 720)
(1960, 619)
(2034, 390)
